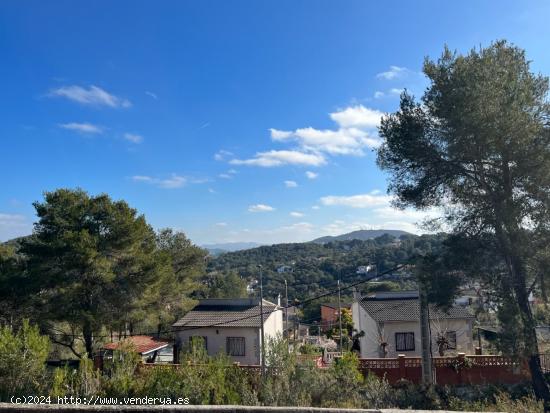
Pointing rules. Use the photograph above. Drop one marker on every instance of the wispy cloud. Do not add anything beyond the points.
(151, 94)
(311, 175)
(175, 181)
(369, 200)
(279, 158)
(93, 96)
(132, 137)
(13, 225)
(260, 208)
(230, 174)
(221, 224)
(222, 155)
(394, 72)
(390, 93)
(291, 184)
(296, 214)
(82, 127)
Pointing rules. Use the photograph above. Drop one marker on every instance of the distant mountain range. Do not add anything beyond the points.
(216, 249)
(363, 235)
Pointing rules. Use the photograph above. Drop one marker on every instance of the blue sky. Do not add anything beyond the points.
(229, 120)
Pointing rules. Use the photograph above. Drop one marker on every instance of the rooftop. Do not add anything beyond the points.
(142, 344)
(405, 306)
(241, 312)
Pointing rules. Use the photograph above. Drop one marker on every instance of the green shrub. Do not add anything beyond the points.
(377, 393)
(83, 382)
(344, 383)
(119, 375)
(310, 349)
(203, 379)
(23, 356)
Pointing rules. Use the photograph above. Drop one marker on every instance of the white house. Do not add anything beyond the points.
(284, 268)
(391, 323)
(230, 326)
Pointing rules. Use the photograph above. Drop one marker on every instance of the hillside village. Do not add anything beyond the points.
(292, 206)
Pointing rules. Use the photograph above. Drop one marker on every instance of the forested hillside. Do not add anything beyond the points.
(311, 269)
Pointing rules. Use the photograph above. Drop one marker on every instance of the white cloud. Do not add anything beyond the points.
(221, 224)
(315, 207)
(134, 138)
(394, 72)
(13, 225)
(291, 184)
(228, 175)
(311, 175)
(279, 158)
(151, 94)
(279, 134)
(93, 96)
(357, 201)
(260, 208)
(175, 181)
(357, 117)
(390, 93)
(222, 155)
(82, 127)
(415, 215)
(356, 131)
(295, 214)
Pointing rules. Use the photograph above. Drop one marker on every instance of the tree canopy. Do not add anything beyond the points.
(477, 145)
(95, 263)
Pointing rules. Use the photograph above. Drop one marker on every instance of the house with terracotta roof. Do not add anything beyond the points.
(151, 349)
(391, 325)
(230, 326)
(330, 314)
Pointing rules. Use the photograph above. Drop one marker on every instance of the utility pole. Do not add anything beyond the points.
(425, 339)
(262, 356)
(286, 318)
(340, 318)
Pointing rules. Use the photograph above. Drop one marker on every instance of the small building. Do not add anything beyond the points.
(230, 326)
(365, 269)
(284, 268)
(151, 349)
(391, 323)
(330, 316)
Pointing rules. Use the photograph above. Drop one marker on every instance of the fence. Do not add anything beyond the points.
(457, 370)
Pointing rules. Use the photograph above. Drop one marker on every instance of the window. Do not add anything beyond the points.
(451, 340)
(235, 346)
(404, 341)
(196, 340)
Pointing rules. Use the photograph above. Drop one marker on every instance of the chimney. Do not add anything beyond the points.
(279, 300)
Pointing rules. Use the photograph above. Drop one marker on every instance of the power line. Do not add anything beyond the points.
(299, 304)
